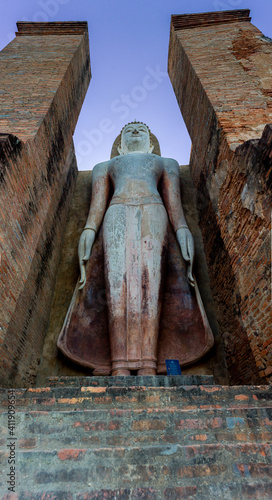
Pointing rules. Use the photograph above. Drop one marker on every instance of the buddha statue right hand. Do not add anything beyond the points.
(84, 251)
(186, 242)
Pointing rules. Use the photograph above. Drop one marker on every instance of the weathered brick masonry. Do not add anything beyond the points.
(45, 74)
(220, 68)
(132, 438)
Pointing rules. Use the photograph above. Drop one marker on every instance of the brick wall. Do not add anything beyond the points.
(219, 67)
(45, 74)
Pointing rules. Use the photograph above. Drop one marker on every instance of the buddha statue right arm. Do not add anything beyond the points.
(100, 191)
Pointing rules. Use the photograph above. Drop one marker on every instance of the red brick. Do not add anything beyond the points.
(180, 492)
(71, 454)
(27, 443)
(147, 425)
(123, 494)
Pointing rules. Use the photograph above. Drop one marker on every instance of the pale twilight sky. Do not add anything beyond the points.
(128, 41)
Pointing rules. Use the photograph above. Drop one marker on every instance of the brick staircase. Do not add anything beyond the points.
(125, 438)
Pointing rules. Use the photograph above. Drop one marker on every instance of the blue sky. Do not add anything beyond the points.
(129, 48)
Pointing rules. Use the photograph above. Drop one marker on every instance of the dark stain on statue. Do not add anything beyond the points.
(145, 289)
(164, 264)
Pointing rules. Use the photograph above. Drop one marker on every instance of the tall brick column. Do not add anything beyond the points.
(220, 68)
(45, 72)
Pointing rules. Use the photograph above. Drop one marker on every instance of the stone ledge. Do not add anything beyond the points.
(58, 28)
(187, 21)
(131, 381)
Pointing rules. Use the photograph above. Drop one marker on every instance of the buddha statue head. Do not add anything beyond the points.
(135, 137)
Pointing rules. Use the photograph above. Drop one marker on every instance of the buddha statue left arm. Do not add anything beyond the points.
(172, 201)
(100, 191)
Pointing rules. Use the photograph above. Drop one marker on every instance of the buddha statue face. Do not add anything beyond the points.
(135, 138)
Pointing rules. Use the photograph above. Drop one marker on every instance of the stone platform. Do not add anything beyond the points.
(127, 438)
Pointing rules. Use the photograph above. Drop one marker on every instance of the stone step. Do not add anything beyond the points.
(227, 471)
(131, 381)
(123, 427)
(112, 441)
(97, 397)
